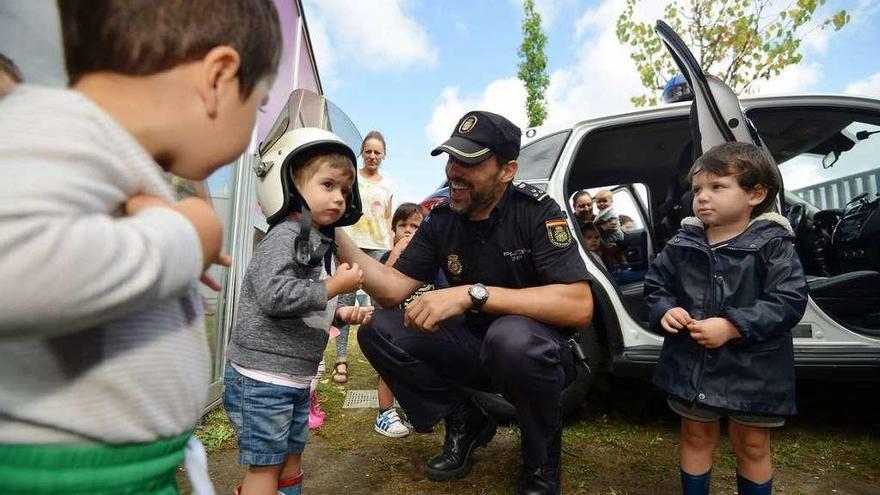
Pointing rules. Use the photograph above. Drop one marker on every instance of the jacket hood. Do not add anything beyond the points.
(759, 231)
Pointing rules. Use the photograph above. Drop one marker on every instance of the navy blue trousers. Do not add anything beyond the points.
(526, 361)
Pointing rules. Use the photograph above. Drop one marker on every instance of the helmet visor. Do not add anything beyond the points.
(305, 108)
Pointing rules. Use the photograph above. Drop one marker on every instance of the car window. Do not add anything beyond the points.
(616, 237)
(626, 207)
(537, 159)
(826, 157)
(624, 202)
(826, 185)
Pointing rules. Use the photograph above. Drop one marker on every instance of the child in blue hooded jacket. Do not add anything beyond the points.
(727, 290)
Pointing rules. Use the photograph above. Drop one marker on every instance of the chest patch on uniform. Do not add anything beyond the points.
(559, 233)
(454, 264)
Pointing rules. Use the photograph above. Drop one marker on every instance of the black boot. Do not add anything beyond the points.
(467, 428)
(543, 480)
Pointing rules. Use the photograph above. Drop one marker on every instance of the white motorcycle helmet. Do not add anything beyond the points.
(278, 196)
(276, 192)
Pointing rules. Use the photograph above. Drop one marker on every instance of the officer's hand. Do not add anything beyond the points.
(435, 306)
(675, 319)
(712, 333)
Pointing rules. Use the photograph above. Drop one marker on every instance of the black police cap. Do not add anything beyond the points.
(480, 134)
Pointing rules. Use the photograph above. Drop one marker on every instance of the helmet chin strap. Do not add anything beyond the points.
(302, 246)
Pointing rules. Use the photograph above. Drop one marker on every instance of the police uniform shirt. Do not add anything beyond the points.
(526, 242)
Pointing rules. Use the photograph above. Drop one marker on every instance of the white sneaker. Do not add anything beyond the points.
(405, 421)
(388, 423)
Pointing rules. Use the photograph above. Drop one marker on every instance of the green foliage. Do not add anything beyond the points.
(739, 41)
(533, 65)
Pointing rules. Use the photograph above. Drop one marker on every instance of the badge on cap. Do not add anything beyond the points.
(467, 124)
(558, 232)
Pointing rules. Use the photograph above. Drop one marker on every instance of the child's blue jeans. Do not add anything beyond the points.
(272, 421)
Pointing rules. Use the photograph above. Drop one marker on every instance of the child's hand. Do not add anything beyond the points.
(348, 278)
(210, 281)
(712, 333)
(675, 319)
(398, 249)
(208, 226)
(355, 315)
(403, 243)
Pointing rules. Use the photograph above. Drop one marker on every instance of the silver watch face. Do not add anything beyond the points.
(479, 292)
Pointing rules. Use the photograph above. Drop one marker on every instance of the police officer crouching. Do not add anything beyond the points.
(518, 289)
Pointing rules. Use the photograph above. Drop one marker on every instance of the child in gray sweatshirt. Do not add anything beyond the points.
(105, 366)
(286, 307)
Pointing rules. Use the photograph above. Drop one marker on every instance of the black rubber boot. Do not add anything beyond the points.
(695, 484)
(543, 480)
(467, 428)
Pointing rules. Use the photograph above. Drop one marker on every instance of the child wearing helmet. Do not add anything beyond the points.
(287, 303)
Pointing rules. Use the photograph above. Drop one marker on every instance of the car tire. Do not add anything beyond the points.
(572, 396)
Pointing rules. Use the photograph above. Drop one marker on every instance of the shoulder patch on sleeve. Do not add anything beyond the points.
(558, 232)
(443, 205)
(531, 191)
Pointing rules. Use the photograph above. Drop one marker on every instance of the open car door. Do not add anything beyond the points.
(841, 323)
(716, 108)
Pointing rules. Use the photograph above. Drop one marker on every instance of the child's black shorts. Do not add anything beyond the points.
(708, 414)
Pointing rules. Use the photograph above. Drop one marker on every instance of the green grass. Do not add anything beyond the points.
(215, 432)
(624, 440)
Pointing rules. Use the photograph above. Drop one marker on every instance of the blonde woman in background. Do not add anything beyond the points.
(373, 233)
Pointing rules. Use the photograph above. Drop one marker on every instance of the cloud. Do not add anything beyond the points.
(600, 81)
(817, 41)
(504, 96)
(793, 79)
(325, 55)
(376, 35)
(863, 14)
(603, 77)
(870, 86)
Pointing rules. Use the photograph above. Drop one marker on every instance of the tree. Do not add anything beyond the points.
(533, 65)
(739, 41)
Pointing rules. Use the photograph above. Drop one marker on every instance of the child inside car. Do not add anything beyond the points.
(627, 224)
(593, 243)
(609, 226)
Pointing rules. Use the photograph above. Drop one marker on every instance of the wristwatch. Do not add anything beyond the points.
(479, 295)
